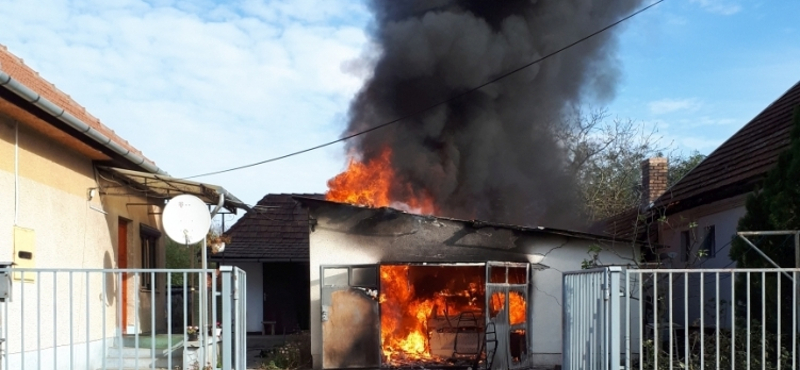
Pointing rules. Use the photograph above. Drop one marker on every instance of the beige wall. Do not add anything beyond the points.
(70, 232)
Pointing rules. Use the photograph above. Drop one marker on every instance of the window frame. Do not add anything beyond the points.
(710, 241)
(148, 237)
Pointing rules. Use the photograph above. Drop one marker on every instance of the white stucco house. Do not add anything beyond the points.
(353, 251)
(75, 195)
(692, 223)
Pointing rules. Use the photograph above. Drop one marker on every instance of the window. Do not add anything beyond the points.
(149, 237)
(709, 242)
(686, 245)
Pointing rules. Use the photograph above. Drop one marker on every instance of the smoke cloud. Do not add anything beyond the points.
(492, 154)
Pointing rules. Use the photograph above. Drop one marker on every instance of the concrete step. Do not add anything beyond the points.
(114, 352)
(142, 362)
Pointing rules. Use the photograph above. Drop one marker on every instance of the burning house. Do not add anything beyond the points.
(395, 289)
(443, 127)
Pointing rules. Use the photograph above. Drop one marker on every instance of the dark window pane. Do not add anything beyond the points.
(497, 274)
(364, 276)
(517, 275)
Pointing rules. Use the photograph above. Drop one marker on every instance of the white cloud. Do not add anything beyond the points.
(665, 106)
(723, 7)
(199, 86)
(701, 144)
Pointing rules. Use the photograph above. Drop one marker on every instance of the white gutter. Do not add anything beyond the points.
(54, 110)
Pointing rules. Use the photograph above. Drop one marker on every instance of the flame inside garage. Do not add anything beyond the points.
(437, 314)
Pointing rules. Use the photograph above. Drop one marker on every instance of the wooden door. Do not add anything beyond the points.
(122, 263)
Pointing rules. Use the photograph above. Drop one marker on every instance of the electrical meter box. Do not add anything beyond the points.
(5, 281)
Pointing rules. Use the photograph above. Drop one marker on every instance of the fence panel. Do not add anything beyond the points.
(686, 319)
(122, 318)
(715, 319)
(591, 319)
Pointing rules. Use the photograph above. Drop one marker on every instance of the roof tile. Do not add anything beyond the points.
(276, 229)
(743, 159)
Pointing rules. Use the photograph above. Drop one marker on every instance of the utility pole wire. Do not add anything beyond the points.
(429, 107)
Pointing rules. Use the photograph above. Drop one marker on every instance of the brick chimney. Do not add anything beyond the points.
(654, 179)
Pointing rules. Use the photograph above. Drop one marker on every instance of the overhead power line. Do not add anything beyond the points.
(434, 105)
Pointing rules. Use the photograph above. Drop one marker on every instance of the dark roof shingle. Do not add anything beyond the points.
(275, 230)
(741, 161)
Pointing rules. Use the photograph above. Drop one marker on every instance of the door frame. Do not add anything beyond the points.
(327, 288)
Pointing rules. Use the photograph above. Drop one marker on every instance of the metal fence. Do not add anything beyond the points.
(681, 319)
(590, 334)
(123, 319)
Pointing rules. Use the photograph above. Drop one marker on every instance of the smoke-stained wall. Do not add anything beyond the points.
(342, 234)
(491, 154)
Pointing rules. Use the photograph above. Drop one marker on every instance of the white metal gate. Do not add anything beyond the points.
(122, 318)
(591, 325)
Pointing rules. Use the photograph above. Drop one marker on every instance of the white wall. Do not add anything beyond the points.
(60, 358)
(255, 292)
(409, 238)
(724, 215)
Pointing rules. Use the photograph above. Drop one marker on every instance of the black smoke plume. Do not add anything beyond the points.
(493, 154)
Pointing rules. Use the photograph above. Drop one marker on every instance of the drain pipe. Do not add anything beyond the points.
(54, 110)
(219, 205)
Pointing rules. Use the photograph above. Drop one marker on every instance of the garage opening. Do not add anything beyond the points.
(443, 315)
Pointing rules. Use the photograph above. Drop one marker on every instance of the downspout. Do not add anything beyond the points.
(16, 173)
(219, 205)
(54, 110)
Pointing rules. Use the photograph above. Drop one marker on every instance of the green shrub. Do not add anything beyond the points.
(726, 361)
(294, 354)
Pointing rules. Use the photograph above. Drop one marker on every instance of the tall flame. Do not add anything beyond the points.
(371, 183)
(403, 317)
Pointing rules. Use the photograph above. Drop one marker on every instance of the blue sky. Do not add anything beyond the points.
(700, 70)
(200, 86)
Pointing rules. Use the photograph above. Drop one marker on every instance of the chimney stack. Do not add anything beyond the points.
(654, 179)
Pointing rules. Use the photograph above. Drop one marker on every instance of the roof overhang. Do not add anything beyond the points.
(477, 224)
(165, 187)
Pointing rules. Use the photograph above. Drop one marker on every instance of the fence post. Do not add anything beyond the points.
(615, 316)
(227, 297)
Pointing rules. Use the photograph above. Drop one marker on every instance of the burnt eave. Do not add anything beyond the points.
(479, 224)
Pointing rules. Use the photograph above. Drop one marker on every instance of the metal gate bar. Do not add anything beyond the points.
(87, 303)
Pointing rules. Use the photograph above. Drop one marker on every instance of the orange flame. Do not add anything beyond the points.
(517, 307)
(404, 316)
(371, 183)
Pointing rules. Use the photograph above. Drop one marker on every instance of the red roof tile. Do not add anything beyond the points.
(16, 68)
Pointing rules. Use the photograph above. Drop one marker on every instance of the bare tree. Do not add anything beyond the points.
(606, 155)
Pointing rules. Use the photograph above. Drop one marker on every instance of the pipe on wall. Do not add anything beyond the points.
(16, 173)
(57, 112)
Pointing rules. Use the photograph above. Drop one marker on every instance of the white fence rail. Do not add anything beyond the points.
(686, 319)
(123, 319)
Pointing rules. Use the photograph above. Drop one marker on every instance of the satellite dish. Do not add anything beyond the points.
(186, 219)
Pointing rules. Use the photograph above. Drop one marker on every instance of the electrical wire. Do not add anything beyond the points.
(429, 107)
